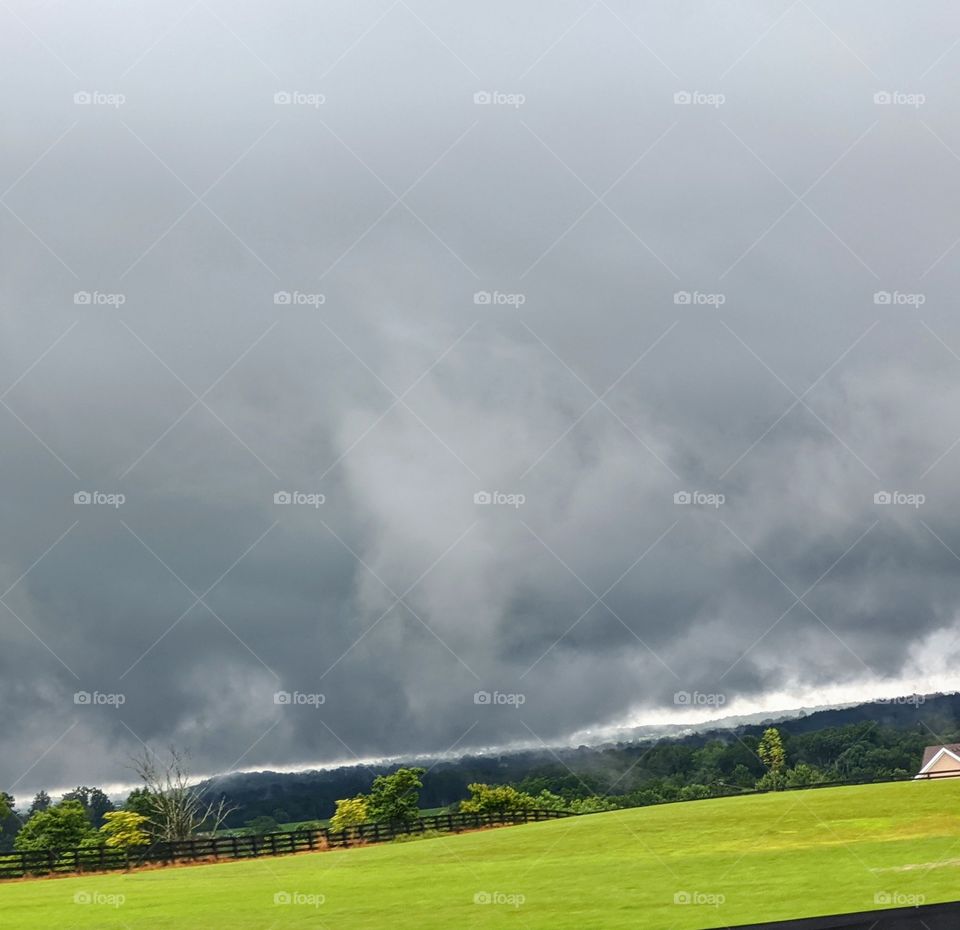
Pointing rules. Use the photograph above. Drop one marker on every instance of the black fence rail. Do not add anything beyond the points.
(213, 848)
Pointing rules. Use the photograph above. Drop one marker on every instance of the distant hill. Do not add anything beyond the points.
(878, 739)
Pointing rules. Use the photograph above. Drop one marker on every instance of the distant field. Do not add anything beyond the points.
(736, 860)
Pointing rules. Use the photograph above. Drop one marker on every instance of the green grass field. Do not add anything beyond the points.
(737, 860)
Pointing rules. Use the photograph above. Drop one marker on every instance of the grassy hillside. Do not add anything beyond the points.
(736, 860)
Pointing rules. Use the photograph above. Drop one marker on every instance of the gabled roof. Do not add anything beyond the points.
(933, 754)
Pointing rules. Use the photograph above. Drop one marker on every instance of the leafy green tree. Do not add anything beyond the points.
(263, 824)
(60, 827)
(771, 751)
(592, 805)
(742, 777)
(124, 829)
(396, 798)
(772, 781)
(350, 812)
(501, 799)
(140, 801)
(803, 774)
(94, 802)
(10, 821)
(41, 801)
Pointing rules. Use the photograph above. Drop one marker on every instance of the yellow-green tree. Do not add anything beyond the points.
(123, 829)
(349, 813)
(771, 751)
(486, 799)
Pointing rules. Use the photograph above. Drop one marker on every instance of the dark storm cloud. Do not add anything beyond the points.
(382, 198)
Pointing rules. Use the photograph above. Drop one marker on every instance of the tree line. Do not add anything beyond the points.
(168, 805)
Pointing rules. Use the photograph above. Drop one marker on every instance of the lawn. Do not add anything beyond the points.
(687, 866)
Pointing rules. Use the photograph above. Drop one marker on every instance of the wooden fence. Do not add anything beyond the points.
(212, 848)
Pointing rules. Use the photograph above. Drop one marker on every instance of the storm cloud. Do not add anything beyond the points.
(364, 360)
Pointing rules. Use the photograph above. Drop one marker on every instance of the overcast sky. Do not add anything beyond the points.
(674, 284)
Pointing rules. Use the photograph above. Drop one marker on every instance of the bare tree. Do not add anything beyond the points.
(179, 808)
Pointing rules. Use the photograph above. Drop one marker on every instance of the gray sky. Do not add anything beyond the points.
(589, 256)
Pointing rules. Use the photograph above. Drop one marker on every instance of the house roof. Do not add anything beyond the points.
(931, 753)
